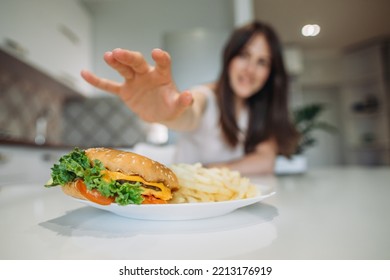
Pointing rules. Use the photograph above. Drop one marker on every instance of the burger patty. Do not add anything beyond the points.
(142, 184)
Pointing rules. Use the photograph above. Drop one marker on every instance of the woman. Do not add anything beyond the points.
(240, 122)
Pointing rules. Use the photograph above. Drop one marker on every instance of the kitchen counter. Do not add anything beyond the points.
(332, 213)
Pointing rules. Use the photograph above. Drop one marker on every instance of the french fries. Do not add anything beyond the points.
(199, 184)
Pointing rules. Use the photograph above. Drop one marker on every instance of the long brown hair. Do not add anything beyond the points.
(268, 108)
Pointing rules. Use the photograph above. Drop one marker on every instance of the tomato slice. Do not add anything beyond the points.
(93, 195)
(150, 199)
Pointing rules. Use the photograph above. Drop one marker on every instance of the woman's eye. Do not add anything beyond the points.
(263, 62)
(243, 55)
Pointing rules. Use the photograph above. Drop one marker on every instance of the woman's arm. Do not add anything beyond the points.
(259, 162)
(149, 91)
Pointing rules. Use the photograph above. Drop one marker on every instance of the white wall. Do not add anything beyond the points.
(321, 82)
(322, 68)
(196, 55)
(328, 150)
(141, 24)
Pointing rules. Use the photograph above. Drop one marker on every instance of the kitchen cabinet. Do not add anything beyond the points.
(365, 104)
(52, 36)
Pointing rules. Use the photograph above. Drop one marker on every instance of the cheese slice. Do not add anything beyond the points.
(163, 193)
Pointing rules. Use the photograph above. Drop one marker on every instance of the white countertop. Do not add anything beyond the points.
(335, 213)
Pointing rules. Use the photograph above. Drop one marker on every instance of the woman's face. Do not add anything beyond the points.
(250, 69)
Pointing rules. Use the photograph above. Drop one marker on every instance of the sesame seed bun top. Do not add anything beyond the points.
(134, 164)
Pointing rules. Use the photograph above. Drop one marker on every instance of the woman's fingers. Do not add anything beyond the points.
(134, 60)
(100, 83)
(124, 70)
(163, 62)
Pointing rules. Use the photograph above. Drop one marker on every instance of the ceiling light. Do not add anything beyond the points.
(310, 30)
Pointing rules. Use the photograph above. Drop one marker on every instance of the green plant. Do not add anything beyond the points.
(306, 121)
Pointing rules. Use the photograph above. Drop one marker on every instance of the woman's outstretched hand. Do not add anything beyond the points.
(149, 91)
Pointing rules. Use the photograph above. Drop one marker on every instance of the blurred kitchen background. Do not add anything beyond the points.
(45, 43)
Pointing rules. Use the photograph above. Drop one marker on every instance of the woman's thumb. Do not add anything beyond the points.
(186, 99)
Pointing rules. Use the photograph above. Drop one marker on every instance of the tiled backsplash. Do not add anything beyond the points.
(21, 105)
(33, 104)
(101, 121)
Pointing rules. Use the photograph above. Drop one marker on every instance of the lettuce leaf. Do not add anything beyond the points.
(76, 165)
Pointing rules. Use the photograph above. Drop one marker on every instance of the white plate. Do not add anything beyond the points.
(182, 211)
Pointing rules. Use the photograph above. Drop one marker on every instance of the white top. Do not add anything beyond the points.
(206, 143)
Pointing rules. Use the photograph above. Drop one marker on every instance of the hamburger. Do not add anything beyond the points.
(106, 176)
